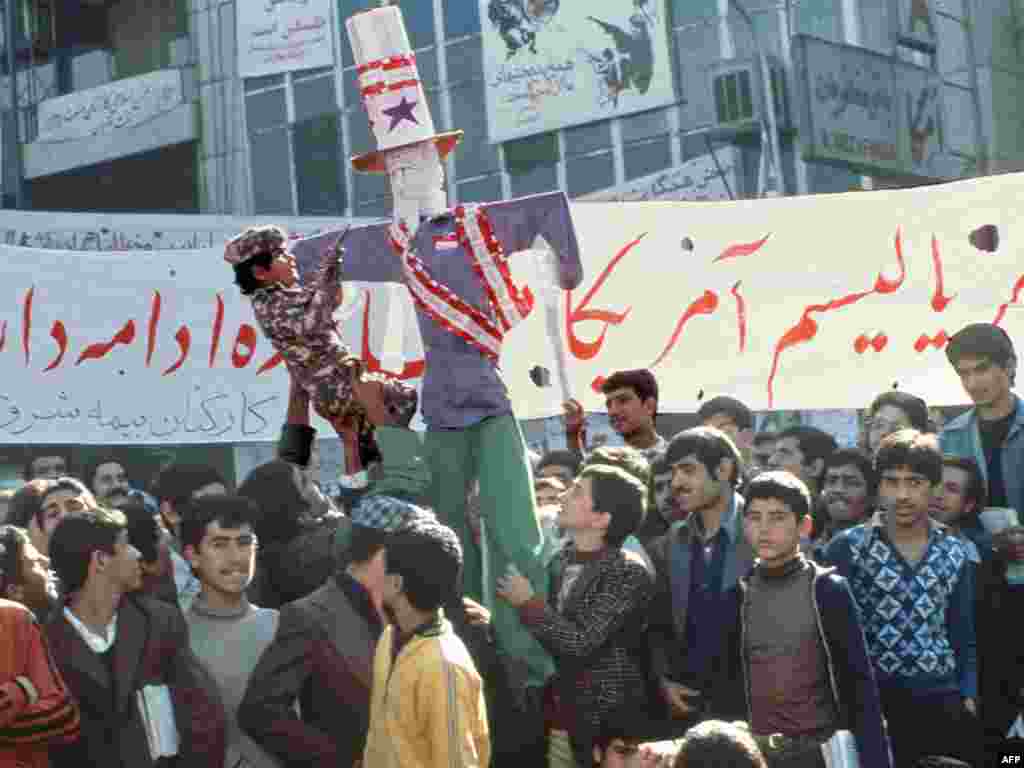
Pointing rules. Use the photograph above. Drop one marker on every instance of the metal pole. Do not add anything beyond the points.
(775, 166)
(10, 22)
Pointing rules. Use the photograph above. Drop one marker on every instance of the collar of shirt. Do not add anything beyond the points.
(726, 526)
(96, 643)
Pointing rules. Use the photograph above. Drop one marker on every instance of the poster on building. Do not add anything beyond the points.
(107, 108)
(549, 64)
(914, 23)
(808, 303)
(283, 36)
(868, 111)
(703, 178)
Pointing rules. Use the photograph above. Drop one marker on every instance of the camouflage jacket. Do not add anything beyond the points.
(299, 322)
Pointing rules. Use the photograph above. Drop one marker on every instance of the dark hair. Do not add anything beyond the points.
(39, 453)
(781, 486)
(245, 279)
(640, 380)
(719, 744)
(76, 537)
(95, 464)
(913, 406)
(976, 491)
(27, 503)
(281, 506)
(178, 481)
(72, 484)
(622, 456)
(12, 550)
(143, 529)
(626, 724)
(620, 495)
(736, 410)
(982, 340)
(842, 457)
(562, 459)
(910, 448)
(428, 557)
(814, 443)
(364, 543)
(710, 446)
(765, 437)
(228, 511)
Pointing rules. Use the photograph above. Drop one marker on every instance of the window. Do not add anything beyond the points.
(645, 158)
(318, 167)
(538, 179)
(474, 156)
(733, 100)
(480, 190)
(271, 171)
(589, 173)
(523, 155)
(683, 11)
(295, 144)
(821, 18)
(461, 17)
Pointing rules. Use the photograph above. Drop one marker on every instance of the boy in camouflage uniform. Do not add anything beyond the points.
(298, 321)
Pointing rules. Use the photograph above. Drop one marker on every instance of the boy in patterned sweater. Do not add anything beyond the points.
(914, 590)
(298, 321)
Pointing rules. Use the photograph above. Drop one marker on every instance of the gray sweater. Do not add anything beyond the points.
(229, 645)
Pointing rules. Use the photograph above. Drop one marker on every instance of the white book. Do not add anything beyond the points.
(157, 711)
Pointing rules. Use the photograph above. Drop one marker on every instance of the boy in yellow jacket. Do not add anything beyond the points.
(427, 708)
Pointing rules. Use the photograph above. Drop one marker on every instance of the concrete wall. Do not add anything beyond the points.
(223, 158)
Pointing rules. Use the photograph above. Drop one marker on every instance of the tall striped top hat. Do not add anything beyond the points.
(390, 86)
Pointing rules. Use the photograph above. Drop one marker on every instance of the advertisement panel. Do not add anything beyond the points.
(549, 64)
(868, 111)
(283, 36)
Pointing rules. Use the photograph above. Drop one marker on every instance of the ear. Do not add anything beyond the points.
(806, 525)
(650, 405)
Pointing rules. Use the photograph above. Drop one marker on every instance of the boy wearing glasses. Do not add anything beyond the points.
(227, 634)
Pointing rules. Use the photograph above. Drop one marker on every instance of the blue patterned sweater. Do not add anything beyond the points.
(918, 619)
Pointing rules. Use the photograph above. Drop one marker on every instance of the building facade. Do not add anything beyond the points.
(139, 105)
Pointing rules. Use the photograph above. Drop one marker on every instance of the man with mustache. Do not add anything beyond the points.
(914, 587)
(848, 494)
(696, 564)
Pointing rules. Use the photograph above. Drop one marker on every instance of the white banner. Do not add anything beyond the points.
(283, 36)
(106, 108)
(803, 302)
(549, 64)
(702, 178)
(143, 231)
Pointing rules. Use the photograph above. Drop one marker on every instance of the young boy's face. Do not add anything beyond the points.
(282, 270)
(773, 531)
(905, 495)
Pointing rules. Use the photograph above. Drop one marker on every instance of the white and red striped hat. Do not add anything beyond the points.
(390, 86)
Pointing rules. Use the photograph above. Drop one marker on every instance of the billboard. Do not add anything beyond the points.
(283, 36)
(868, 111)
(706, 177)
(549, 64)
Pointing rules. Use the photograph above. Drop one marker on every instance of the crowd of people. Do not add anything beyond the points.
(720, 597)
